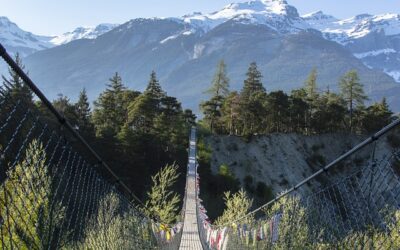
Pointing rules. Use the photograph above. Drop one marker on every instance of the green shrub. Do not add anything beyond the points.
(237, 205)
(162, 201)
(26, 198)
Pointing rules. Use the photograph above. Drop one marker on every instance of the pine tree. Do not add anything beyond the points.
(66, 108)
(230, 113)
(310, 86)
(154, 89)
(219, 90)
(190, 118)
(82, 109)
(252, 100)
(141, 114)
(253, 82)
(110, 109)
(18, 89)
(278, 107)
(352, 91)
(220, 83)
(376, 116)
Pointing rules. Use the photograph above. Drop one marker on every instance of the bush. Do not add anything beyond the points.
(26, 197)
(110, 228)
(237, 205)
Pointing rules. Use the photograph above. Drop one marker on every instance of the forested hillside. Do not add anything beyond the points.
(135, 133)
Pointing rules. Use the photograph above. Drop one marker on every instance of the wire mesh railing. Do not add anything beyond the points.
(355, 208)
(55, 191)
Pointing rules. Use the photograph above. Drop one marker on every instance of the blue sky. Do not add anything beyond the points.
(48, 17)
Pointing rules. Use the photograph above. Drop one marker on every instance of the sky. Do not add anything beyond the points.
(50, 17)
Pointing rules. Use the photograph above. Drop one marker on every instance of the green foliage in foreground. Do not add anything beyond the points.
(162, 200)
(110, 228)
(31, 219)
(237, 206)
(302, 228)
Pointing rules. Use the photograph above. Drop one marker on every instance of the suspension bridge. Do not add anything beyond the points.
(53, 195)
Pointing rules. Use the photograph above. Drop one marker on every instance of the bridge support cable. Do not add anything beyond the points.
(55, 190)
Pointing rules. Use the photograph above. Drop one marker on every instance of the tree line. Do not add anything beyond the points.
(306, 110)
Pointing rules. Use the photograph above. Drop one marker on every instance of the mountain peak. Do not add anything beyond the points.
(318, 15)
(88, 32)
(279, 7)
(276, 14)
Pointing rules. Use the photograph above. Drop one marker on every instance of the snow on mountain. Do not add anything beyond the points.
(374, 53)
(343, 31)
(83, 33)
(276, 14)
(17, 40)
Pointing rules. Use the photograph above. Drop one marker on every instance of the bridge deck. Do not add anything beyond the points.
(190, 235)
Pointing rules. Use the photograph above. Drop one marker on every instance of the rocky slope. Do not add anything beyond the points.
(283, 160)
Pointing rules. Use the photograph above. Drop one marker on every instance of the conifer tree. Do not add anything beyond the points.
(219, 90)
(220, 83)
(352, 91)
(19, 90)
(110, 109)
(82, 109)
(230, 113)
(252, 99)
(154, 89)
(310, 86)
(376, 116)
(143, 111)
(66, 108)
(253, 83)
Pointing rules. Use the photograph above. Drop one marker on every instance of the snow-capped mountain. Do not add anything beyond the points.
(374, 39)
(83, 33)
(17, 40)
(276, 14)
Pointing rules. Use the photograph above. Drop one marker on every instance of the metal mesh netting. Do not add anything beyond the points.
(55, 194)
(360, 210)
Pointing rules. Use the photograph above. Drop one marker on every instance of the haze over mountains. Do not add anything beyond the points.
(184, 51)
